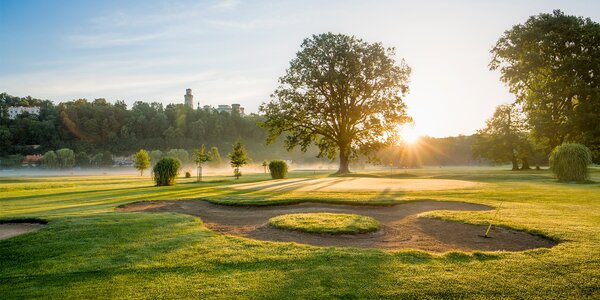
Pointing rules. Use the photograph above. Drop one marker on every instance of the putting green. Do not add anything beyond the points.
(355, 184)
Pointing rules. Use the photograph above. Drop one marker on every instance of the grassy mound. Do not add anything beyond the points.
(325, 223)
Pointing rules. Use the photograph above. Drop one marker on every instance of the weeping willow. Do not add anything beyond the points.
(569, 162)
(166, 170)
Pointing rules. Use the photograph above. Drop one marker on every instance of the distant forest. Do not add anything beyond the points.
(99, 126)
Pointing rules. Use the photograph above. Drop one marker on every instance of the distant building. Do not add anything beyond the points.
(237, 108)
(189, 98)
(231, 109)
(224, 108)
(31, 160)
(189, 101)
(15, 111)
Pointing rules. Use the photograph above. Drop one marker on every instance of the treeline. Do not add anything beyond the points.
(99, 127)
(429, 151)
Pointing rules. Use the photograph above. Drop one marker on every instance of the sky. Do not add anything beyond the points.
(234, 51)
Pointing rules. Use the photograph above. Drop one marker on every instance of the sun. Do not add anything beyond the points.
(410, 135)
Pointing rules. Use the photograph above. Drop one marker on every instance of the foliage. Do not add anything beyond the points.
(66, 158)
(505, 138)
(201, 157)
(166, 170)
(155, 156)
(278, 169)
(215, 157)
(11, 161)
(180, 154)
(569, 162)
(237, 158)
(141, 161)
(188, 174)
(50, 159)
(341, 94)
(331, 223)
(82, 159)
(107, 160)
(97, 159)
(551, 63)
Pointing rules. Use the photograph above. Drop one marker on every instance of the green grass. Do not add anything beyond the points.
(89, 250)
(325, 223)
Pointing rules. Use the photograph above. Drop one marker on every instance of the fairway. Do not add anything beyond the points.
(90, 249)
(357, 185)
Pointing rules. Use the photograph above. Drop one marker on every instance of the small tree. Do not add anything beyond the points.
(82, 159)
(165, 171)
(141, 161)
(201, 157)
(215, 157)
(238, 158)
(66, 157)
(278, 168)
(50, 159)
(569, 162)
(265, 164)
(107, 160)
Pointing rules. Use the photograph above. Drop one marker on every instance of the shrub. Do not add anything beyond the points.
(278, 169)
(166, 170)
(188, 174)
(569, 162)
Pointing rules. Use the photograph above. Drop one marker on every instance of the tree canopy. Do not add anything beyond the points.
(505, 138)
(141, 161)
(552, 64)
(237, 158)
(340, 93)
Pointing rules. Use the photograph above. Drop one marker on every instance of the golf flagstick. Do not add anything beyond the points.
(493, 219)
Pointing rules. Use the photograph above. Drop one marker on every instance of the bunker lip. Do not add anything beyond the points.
(401, 228)
(13, 227)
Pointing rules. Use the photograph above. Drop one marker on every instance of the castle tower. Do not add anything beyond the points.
(189, 98)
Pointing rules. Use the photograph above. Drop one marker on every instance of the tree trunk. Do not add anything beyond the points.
(344, 161)
(525, 164)
(515, 163)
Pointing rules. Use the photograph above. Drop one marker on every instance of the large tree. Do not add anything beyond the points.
(552, 64)
(340, 93)
(505, 138)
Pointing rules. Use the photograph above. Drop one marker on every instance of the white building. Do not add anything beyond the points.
(15, 111)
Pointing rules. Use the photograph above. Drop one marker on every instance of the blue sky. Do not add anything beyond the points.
(234, 51)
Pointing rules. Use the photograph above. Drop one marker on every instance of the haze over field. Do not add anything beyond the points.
(233, 51)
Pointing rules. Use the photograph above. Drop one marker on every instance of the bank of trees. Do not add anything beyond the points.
(94, 127)
(551, 63)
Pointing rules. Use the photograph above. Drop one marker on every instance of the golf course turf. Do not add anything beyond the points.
(91, 249)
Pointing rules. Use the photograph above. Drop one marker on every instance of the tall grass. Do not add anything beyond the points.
(569, 162)
(166, 170)
(278, 169)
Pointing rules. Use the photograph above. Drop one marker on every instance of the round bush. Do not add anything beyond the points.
(330, 223)
(166, 170)
(188, 174)
(569, 162)
(278, 169)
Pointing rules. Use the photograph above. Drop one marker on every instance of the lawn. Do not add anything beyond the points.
(89, 250)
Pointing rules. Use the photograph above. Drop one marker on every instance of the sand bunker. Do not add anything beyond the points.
(8, 230)
(400, 226)
(355, 184)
